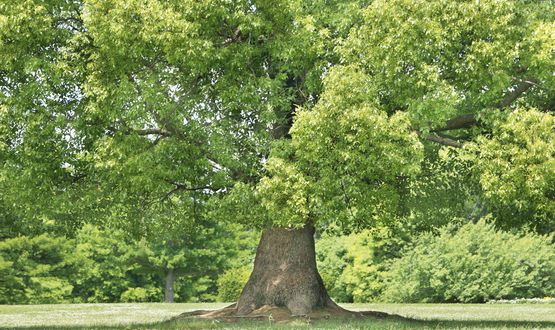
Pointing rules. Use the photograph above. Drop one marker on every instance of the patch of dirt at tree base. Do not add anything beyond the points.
(281, 314)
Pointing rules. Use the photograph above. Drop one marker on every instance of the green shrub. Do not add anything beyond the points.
(231, 283)
(474, 264)
(332, 259)
(35, 270)
(103, 275)
(353, 266)
(147, 294)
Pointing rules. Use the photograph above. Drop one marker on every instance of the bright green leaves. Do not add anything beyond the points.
(26, 32)
(440, 59)
(515, 168)
(435, 61)
(542, 40)
(344, 161)
(284, 194)
(37, 97)
(141, 111)
(347, 132)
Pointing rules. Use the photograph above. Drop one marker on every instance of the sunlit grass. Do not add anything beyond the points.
(153, 316)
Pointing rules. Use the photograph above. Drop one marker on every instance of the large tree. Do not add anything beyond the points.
(301, 114)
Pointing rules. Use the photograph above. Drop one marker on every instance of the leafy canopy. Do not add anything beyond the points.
(414, 68)
(142, 114)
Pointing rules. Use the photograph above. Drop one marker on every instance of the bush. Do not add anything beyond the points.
(353, 267)
(141, 294)
(231, 283)
(474, 264)
(35, 270)
(332, 259)
(104, 272)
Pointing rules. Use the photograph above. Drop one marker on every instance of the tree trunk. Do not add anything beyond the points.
(170, 279)
(285, 274)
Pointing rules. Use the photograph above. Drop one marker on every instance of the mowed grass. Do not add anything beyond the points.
(156, 316)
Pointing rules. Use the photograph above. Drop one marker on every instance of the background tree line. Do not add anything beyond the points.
(464, 262)
(103, 265)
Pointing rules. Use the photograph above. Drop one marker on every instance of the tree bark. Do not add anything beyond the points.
(168, 292)
(285, 274)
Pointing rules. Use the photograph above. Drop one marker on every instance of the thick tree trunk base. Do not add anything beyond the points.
(285, 274)
(284, 285)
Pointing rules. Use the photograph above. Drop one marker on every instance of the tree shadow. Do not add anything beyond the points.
(475, 324)
(367, 322)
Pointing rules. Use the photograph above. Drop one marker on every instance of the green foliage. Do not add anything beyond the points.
(370, 254)
(36, 270)
(349, 156)
(331, 257)
(108, 113)
(515, 168)
(473, 264)
(104, 266)
(166, 118)
(231, 283)
(284, 194)
(441, 194)
(141, 294)
(354, 267)
(195, 259)
(437, 60)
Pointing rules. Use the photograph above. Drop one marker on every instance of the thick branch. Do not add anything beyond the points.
(151, 131)
(464, 121)
(469, 120)
(522, 87)
(442, 140)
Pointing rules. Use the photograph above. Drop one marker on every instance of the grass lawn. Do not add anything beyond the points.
(153, 316)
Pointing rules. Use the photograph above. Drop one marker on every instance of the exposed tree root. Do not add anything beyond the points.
(281, 314)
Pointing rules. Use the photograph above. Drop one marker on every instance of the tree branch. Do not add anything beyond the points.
(151, 131)
(463, 121)
(437, 138)
(469, 120)
(521, 87)
(182, 187)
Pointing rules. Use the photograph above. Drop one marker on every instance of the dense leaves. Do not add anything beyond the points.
(36, 270)
(441, 59)
(353, 152)
(470, 263)
(132, 110)
(515, 167)
(474, 264)
(101, 266)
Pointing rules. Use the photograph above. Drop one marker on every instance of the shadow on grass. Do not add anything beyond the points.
(339, 323)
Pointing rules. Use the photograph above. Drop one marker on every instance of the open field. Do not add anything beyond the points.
(152, 316)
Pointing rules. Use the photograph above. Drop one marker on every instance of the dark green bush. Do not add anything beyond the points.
(332, 258)
(35, 270)
(474, 264)
(105, 272)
